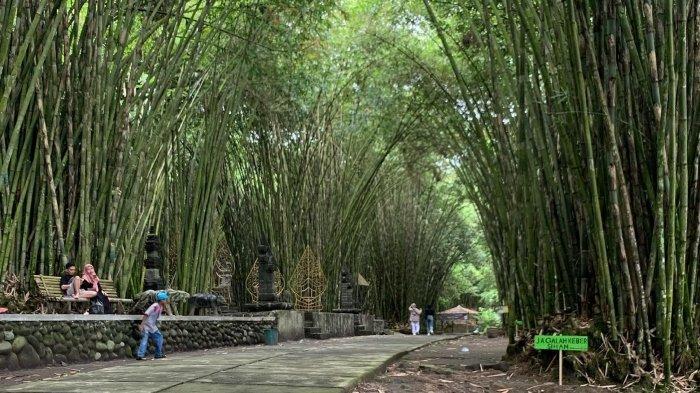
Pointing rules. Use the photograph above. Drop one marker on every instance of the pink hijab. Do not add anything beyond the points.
(90, 276)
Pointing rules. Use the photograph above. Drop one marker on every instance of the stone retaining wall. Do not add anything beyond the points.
(28, 341)
(334, 324)
(370, 323)
(290, 324)
(366, 320)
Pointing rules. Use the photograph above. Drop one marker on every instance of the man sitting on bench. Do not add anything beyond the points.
(70, 284)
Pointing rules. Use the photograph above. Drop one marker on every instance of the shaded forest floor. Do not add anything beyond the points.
(447, 367)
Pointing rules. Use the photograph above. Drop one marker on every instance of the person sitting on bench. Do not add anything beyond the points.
(90, 283)
(70, 284)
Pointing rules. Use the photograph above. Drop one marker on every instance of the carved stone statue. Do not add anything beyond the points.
(266, 274)
(267, 298)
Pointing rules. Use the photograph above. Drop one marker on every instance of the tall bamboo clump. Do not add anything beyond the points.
(582, 139)
(122, 115)
(352, 202)
(316, 177)
(192, 214)
(86, 105)
(299, 186)
(417, 237)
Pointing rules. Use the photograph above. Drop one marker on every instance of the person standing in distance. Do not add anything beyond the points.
(429, 319)
(414, 318)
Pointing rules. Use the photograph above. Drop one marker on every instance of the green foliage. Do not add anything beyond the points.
(471, 281)
(488, 318)
(216, 122)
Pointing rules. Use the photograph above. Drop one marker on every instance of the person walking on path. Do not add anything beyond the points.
(429, 319)
(149, 327)
(414, 317)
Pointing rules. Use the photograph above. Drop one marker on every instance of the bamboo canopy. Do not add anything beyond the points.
(571, 126)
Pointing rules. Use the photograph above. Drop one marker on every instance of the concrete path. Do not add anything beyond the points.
(327, 366)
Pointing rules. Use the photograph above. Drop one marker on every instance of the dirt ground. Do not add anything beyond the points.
(448, 367)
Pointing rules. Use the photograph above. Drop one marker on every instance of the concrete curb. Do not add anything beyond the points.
(382, 367)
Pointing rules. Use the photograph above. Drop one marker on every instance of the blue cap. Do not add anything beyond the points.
(162, 296)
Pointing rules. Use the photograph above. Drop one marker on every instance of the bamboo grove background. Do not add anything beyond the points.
(579, 121)
(195, 117)
(359, 128)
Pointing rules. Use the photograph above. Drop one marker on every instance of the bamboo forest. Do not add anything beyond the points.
(535, 160)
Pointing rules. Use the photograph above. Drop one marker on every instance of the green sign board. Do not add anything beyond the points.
(561, 343)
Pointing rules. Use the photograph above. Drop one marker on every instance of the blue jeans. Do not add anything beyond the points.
(429, 322)
(143, 347)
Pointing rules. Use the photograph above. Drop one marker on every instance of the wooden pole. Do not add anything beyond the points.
(561, 364)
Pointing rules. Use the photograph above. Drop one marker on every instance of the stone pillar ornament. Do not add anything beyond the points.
(252, 285)
(153, 263)
(267, 298)
(266, 274)
(348, 303)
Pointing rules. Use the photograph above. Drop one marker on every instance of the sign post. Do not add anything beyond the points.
(561, 366)
(561, 343)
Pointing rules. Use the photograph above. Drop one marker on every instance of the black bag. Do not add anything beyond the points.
(96, 307)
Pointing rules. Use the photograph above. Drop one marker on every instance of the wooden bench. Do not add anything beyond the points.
(50, 289)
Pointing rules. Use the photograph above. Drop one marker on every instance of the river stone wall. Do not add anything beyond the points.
(39, 340)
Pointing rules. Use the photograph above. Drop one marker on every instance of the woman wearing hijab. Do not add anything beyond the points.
(91, 285)
(414, 317)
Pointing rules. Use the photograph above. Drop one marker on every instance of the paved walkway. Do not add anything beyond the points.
(336, 365)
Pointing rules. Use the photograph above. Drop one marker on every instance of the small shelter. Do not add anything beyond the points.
(457, 319)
